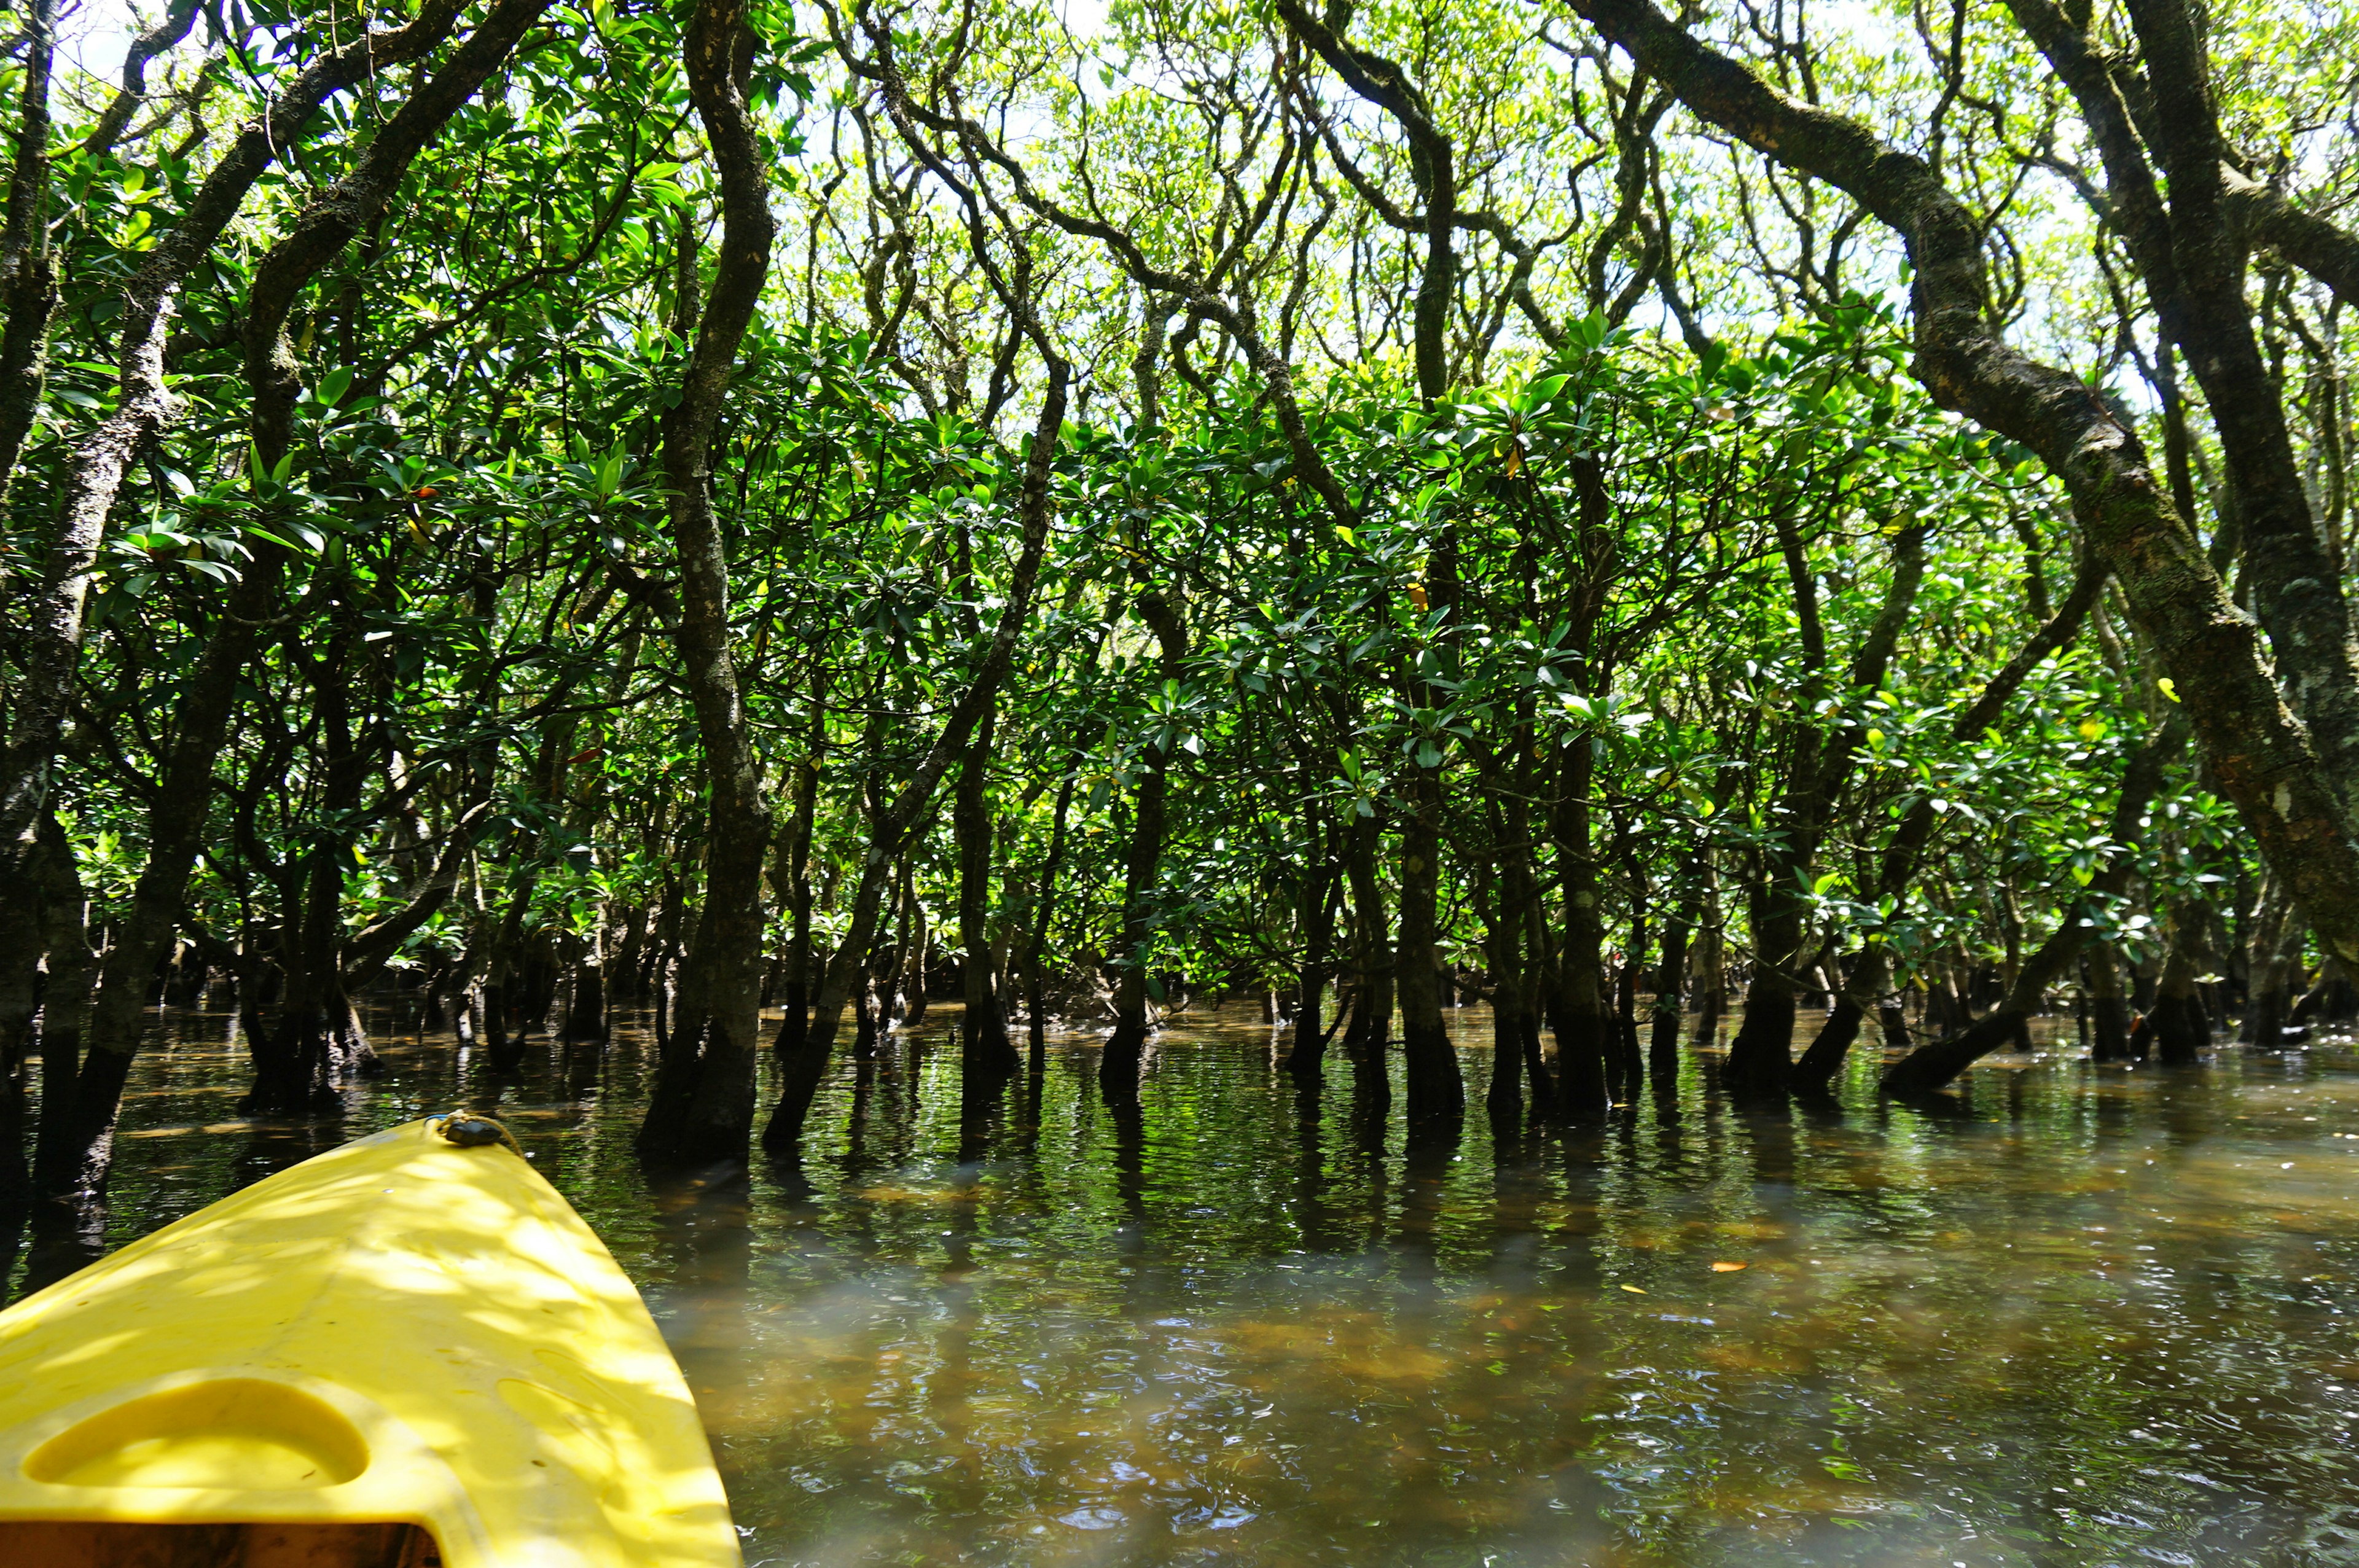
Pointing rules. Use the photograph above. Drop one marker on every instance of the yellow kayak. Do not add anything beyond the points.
(407, 1353)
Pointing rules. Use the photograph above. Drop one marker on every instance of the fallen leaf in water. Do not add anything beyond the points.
(1726, 1267)
(1634, 1290)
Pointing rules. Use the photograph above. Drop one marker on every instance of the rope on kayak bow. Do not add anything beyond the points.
(469, 1130)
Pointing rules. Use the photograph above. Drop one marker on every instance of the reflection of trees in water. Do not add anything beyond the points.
(1426, 1158)
(61, 1238)
(1314, 1217)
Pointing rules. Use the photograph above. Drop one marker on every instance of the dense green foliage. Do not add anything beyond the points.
(1454, 576)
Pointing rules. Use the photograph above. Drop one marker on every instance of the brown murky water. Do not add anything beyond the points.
(2093, 1317)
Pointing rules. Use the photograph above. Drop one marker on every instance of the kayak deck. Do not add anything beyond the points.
(403, 1353)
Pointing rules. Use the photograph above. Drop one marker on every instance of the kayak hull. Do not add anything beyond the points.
(401, 1354)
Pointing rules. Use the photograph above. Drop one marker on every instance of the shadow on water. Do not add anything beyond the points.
(2063, 1315)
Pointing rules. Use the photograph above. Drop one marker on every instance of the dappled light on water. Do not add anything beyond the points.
(2084, 1316)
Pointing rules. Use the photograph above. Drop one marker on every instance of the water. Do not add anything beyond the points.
(2096, 1317)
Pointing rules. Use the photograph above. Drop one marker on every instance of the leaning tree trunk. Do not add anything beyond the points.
(2262, 756)
(49, 649)
(319, 233)
(2187, 243)
(1929, 1068)
(28, 281)
(1868, 970)
(801, 1072)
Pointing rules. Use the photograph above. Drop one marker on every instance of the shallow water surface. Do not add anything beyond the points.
(2090, 1317)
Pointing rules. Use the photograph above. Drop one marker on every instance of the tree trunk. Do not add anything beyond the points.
(1710, 963)
(1315, 905)
(1867, 971)
(794, 992)
(1367, 1040)
(1625, 998)
(2109, 1009)
(1436, 1091)
(1585, 1029)
(2279, 980)
(28, 287)
(1671, 998)
(1119, 1067)
(1036, 944)
(2181, 1029)
(703, 1105)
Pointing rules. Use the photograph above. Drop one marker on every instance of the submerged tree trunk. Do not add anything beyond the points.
(1670, 991)
(1367, 1040)
(2109, 1009)
(1760, 1060)
(1314, 905)
(1119, 1066)
(1583, 1027)
(1436, 1091)
(1625, 1001)
(983, 1032)
(70, 1154)
(1036, 942)
(1867, 971)
(794, 991)
(2182, 1031)
(2278, 984)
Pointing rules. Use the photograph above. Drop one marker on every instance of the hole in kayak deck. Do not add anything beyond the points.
(45, 1544)
(241, 1433)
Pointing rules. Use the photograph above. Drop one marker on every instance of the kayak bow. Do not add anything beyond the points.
(403, 1353)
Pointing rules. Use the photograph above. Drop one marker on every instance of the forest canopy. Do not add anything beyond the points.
(773, 513)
